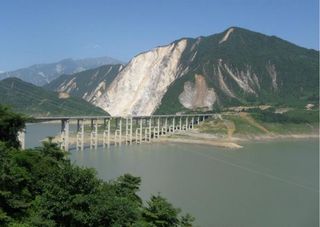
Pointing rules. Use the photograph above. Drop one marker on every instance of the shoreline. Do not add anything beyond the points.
(232, 143)
(194, 137)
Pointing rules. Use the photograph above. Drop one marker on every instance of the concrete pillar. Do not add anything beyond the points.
(140, 131)
(166, 125)
(192, 122)
(180, 123)
(158, 127)
(116, 137)
(187, 123)
(127, 131)
(198, 120)
(120, 131)
(94, 134)
(22, 138)
(150, 124)
(109, 132)
(106, 133)
(65, 135)
(173, 124)
(146, 136)
(130, 130)
(80, 134)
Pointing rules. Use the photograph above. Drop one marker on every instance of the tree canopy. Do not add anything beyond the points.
(41, 187)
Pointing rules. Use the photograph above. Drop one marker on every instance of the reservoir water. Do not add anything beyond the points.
(274, 183)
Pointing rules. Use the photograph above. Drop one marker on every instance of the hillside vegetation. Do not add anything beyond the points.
(41, 187)
(29, 99)
(256, 122)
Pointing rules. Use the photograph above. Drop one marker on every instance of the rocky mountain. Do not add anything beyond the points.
(88, 84)
(235, 67)
(42, 74)
(29, 99)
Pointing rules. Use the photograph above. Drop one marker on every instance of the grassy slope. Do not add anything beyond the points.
(29, 99)
(243, 127)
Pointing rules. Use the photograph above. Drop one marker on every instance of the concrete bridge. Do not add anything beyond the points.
(94, 131)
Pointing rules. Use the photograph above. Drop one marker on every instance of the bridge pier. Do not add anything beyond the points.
(80, 135)
(65, 134)
(94, 134)
(145, 128)
(128, 131)
(173, 125)
(165, 128)
(106, 133)
(158, 128)
(150, 125)
(22, 138)
(120, 131)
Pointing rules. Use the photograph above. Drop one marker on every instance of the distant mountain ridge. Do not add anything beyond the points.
(234, 67)
(29, 99)
(42, 74)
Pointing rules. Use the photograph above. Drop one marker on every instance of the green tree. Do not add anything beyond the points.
(10, 124)
(160, 213)
(41, 187)
(186, 220)
(51, 149)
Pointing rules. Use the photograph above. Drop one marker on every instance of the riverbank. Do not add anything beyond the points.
(234, 142)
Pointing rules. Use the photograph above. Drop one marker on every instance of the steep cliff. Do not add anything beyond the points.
(235, 67)
(140, 86)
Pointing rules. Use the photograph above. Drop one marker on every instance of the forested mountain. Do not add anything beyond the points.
(235, 67)
(29, 99)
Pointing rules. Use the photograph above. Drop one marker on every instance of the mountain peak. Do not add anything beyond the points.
(226, 36)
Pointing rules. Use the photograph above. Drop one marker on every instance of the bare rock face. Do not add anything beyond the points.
(197, 95)
(140, 86)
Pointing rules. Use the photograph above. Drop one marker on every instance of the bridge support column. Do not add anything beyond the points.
(192, 122)
(94, 134)
(140, 130)
(173, 124)
(120, 131)
(158, 128)
(150, 126)
(187, 123)
(165, 126)
(80, 135)
(146, 135)
(106, 133)
(65, 135)
(180, 124)
(22, 138)
(128, 130)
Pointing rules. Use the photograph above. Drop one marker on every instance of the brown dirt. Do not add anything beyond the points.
(248, 118)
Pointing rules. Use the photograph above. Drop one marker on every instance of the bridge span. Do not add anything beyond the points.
(94, 131)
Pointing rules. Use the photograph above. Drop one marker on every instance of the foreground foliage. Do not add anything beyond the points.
(40, 187)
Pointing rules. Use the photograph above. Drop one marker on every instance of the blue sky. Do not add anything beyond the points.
(40, 31)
